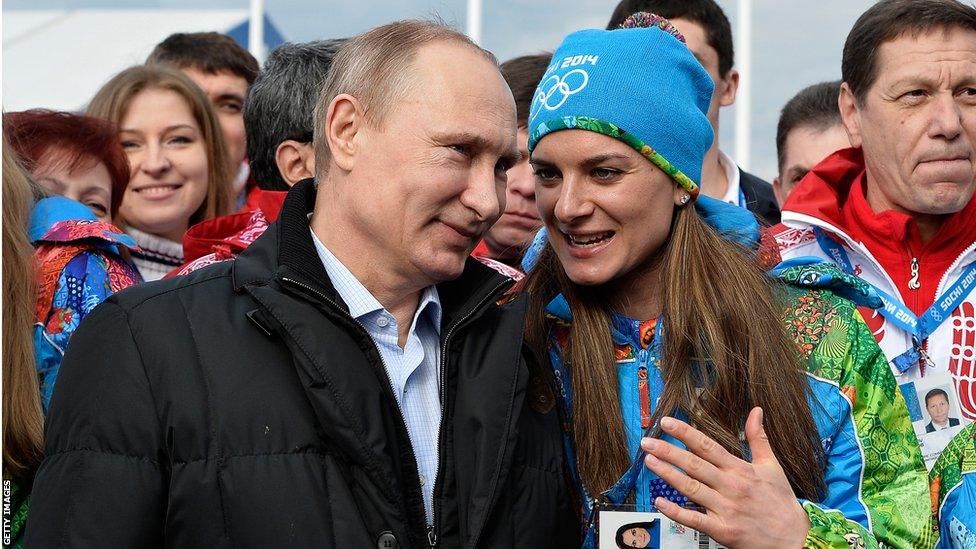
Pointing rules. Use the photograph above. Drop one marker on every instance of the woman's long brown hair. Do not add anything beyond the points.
(725, 351)
(23, 421)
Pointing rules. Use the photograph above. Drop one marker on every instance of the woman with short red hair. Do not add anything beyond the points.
(78, 157)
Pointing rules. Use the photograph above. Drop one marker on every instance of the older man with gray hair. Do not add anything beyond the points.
(353, 379)
(278, 112)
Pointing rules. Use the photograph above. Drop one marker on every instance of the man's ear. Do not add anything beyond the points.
(778, 192)
(295, 160)
(731, 84)
(850, 114)
(343, 121)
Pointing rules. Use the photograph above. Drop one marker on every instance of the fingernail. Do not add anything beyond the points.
(652, 460)
(667, 423)
(648, 444)
(661, 503)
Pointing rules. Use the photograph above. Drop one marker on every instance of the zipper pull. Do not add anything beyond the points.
(913, 282)
(431, 537)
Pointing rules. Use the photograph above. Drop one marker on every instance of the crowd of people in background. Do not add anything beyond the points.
(389, 291)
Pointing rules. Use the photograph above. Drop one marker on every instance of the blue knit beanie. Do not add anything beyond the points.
(642, 86)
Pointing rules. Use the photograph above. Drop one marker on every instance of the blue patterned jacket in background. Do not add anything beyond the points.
(78, 265)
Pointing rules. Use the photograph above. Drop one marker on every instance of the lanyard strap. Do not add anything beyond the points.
(920, 327)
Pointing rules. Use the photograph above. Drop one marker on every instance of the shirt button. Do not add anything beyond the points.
(383, 321)
(423, 480)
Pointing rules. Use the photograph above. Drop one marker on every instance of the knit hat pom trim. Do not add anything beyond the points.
(612, 130)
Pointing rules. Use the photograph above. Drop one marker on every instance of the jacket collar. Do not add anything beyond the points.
(286, 250)
(833, 194)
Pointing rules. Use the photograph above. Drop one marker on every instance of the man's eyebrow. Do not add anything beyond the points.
(795, 171)
(229, 96)
(478, 142)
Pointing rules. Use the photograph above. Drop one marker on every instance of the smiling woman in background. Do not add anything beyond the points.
(177, 157)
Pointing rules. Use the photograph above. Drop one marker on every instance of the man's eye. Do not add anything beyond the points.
(460, 149)
(230, 107)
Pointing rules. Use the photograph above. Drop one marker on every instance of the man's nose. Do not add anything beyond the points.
(946, 120)
(521, 180)
(483, 195)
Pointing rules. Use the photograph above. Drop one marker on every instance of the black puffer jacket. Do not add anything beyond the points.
(242, 406)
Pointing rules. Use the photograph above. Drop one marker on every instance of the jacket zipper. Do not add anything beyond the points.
(402, 422)
(434, 529)
(913, 283)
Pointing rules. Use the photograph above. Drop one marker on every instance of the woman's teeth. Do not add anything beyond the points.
(589, 240)
(159, 189)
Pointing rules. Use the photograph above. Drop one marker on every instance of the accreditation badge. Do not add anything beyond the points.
(933, 406)
(621, 526)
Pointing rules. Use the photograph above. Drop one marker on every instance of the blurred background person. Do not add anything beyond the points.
(80, 256)
(78, 157)
(809, 130)
(224, 71)
(23, 422)
(278, 117)
(513, 231)
(180, 174)
(709, 36)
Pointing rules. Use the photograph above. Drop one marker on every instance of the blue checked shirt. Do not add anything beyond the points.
(413, 370)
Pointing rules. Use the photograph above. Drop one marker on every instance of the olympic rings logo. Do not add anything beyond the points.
(561, 88)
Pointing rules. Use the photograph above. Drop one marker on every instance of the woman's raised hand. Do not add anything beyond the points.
(748, 505)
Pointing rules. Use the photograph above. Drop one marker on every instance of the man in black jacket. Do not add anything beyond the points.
(353, 379)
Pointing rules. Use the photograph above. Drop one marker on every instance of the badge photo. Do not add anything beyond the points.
(624, 529)
(933, 406)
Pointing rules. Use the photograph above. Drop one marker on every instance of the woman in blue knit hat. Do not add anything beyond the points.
(755, 407)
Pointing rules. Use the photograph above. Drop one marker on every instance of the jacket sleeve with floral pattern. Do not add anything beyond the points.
(876, 481)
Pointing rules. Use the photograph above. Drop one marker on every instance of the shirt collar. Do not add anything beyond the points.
(359, 299)
(732, 175)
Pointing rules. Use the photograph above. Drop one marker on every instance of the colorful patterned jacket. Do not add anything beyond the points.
(875, 477)
(78, 267)
(953, 488)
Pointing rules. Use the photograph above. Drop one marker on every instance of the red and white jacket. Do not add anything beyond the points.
(886, 250)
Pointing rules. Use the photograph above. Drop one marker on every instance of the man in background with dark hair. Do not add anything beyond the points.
(809, 130)
(279, 119)
(709, 36)
(508, 237)
(897, 209)
(223, 70)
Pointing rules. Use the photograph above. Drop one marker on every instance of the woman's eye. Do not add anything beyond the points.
(181, 140)
(128, 145)
(604, 173)
(97, 207)
(545, 174)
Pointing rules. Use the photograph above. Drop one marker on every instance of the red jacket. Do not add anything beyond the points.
(224, 237)
(834, 192)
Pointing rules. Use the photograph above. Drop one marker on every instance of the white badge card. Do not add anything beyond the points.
(933, 406)
(623, 529)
